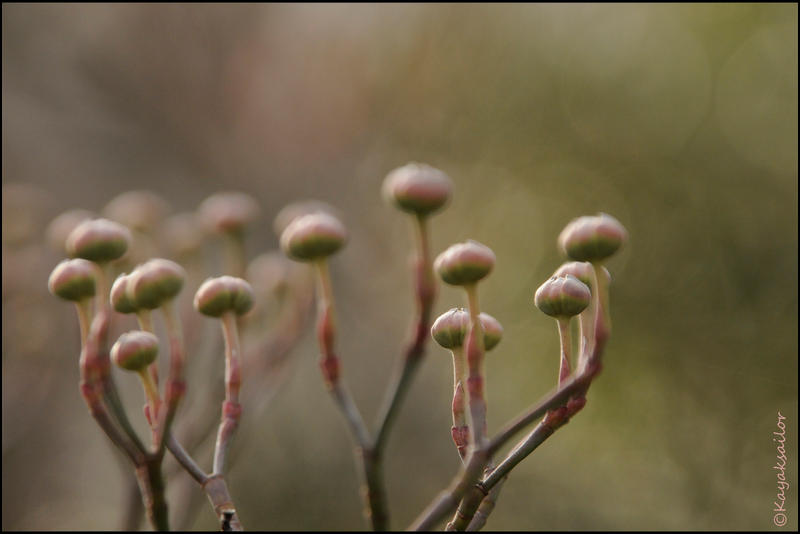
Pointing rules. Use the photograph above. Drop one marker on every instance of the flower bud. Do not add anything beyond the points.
(464, 263)
(417, 188)
(228, 212)
(583, 271)
(294, 210)
(450, 329)
(98, 240)
(592, 238)
(225, 293)
(492, 331)
(562, 296)
(154, 282)
(138, 210)
(313, 236)
(73, 280)
(119, 296)
(135, 350)
(59, 228)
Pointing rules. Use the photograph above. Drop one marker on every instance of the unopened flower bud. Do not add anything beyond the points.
(450, 329)
(59, 228)
(464, 263)
(98, 240)
(492, 331)
(292, 211)
(223, 294)
(73, 280)
(417, 188)
(119, 298)
(155, 282)
(138, 210)
(313, 236)
(592, 238)
(562, 296)
(135, 350)
(228, 212)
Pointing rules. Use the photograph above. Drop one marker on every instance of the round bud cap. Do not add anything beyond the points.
(464, 263)
(562, 296)
(313, 236)
(292, 211)
(450, 329)
(73, 280)
(417, 188)
(154, 282)
(592, 237)
(492, 331)
(135, 350)
(98, 240)
(139, 210)
(223, 294)
(119, 296)
(582, 270)
(228, 212)
(59, 228)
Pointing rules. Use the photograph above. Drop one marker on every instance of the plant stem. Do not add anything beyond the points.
(475, 384)
(565, 339)
(460, 430)
(151, 394)
(231, 409)
(83, 308)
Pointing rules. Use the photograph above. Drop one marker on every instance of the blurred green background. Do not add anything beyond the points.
(680, 120)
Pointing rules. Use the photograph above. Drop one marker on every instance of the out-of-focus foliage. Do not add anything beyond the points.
(680, 120)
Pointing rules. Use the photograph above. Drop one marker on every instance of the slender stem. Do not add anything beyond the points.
(602, 325)
(460, 430)
(231, 409)
(565, 339)
(175, 386)
(145, 319)
(186, 461)
(486, 507)
(151, 394)
(151, 485)
(83, 308)
(425, 294)
(213, 485)
(475, 383)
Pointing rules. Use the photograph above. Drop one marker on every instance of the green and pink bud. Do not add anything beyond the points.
(592, 238)
(119, 298)
(74, 280)
(292, 211)
(563, 296)
(313, 237)
(465, 263)
(135, 350)
(217, 296)
(155, 282)
(450, 329)
(98, 240)
(418, 188)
